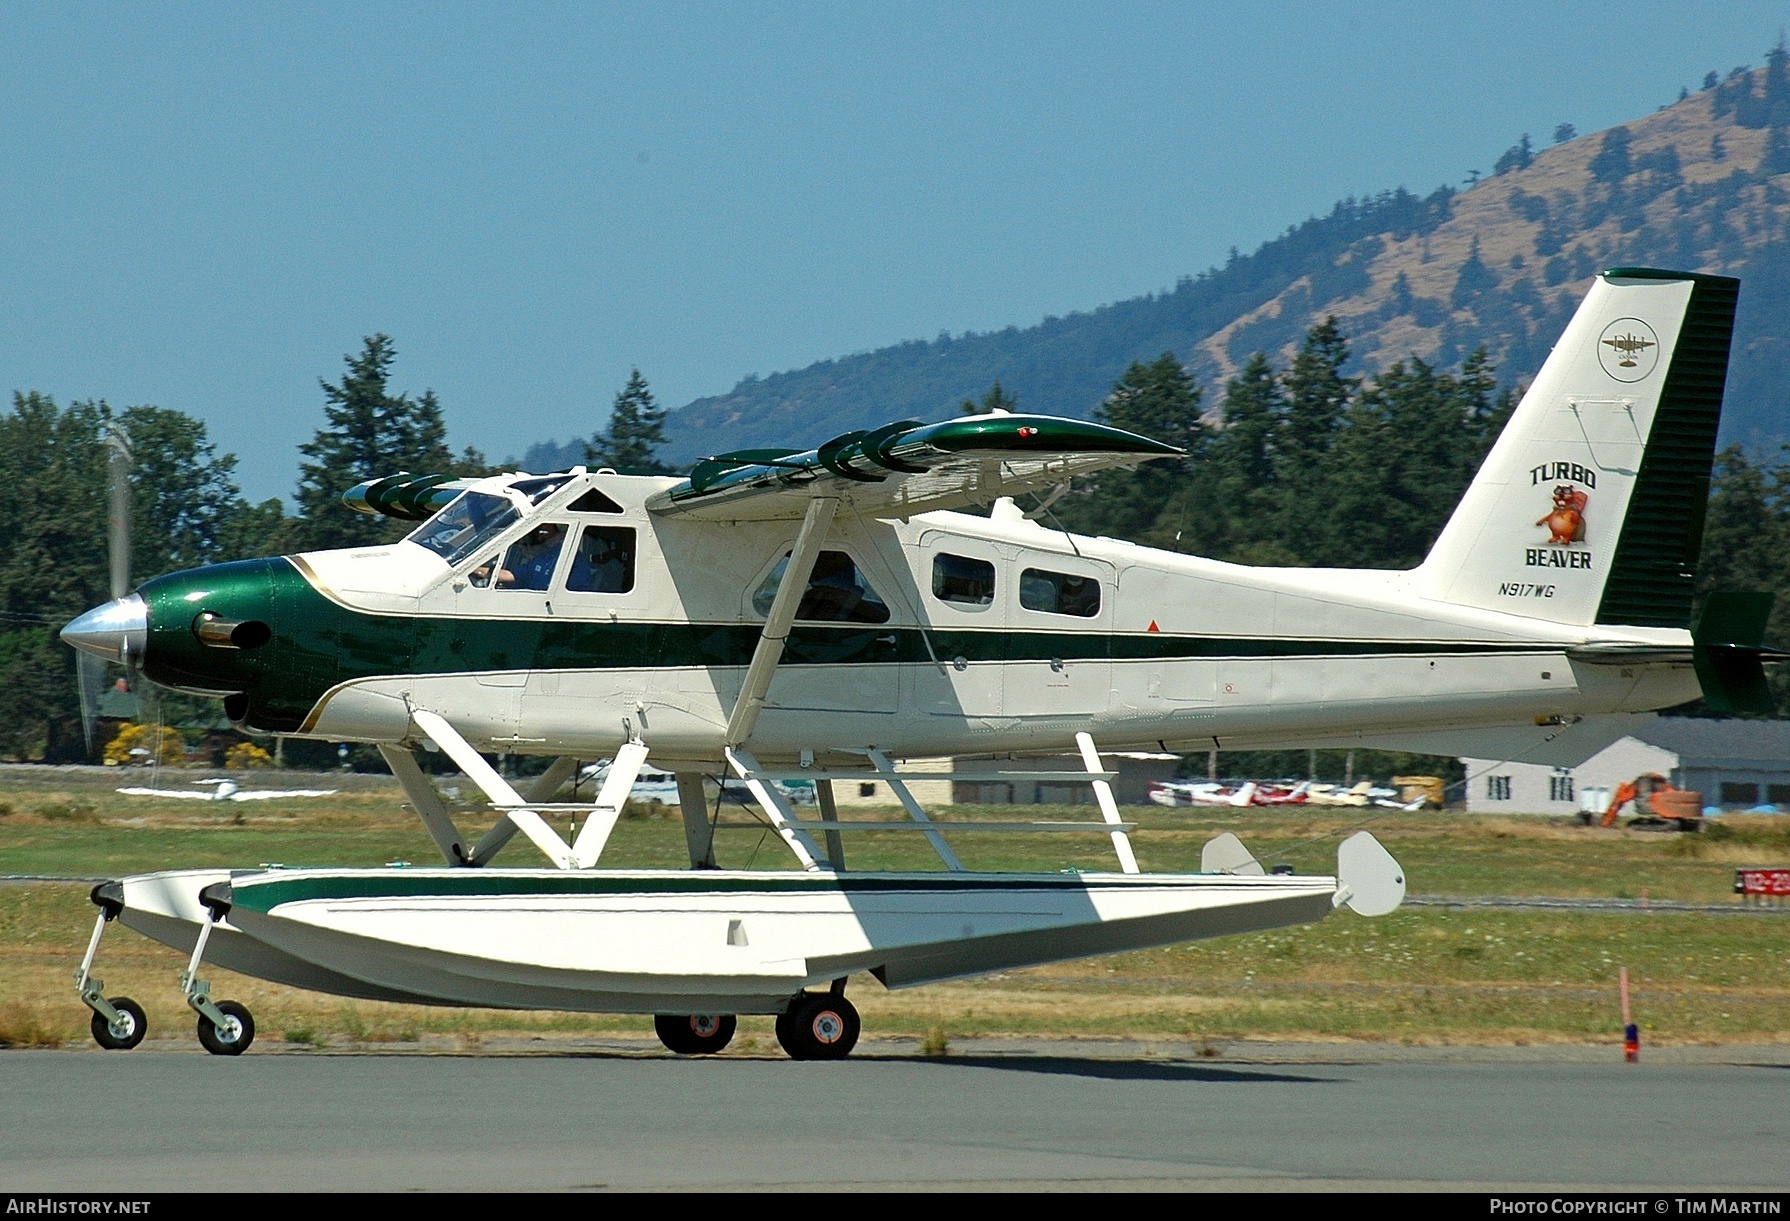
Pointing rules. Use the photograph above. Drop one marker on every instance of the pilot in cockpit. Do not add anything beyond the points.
(530, 561)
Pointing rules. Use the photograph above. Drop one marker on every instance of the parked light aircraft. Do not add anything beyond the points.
(814, 615)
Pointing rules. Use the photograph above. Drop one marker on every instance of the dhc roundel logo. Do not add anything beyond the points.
(1628, 349)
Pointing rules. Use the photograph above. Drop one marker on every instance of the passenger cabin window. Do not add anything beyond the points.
(528, 564)
(465, 525)
(594, 501)
(959, 579)
(837, 592)
(604, 561)
(1059, 593)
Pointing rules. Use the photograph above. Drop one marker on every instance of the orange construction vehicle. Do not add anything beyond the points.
(1657, 804)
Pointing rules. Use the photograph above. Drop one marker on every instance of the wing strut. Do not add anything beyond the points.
(769, 651)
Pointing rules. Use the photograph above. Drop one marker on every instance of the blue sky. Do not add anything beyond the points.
(205, 206)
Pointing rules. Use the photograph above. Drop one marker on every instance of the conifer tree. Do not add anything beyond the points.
(1317, 401)
(1475, 279)
(1246, 507)
(1253, 405)
(1317, 395)
(1159, 400)
(1613, 162)
(368, 433)
(636, 430)
(996, 399)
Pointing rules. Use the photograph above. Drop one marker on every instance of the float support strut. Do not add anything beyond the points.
(699, 833)
(427, 803)
(1109, 806)
(829, 811)
(886, 772)
(542, 789)
(782, 817)
(496, 788)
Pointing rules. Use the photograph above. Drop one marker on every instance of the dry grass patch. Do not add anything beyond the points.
(34, 1023)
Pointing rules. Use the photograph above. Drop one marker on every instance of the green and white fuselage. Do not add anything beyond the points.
(1180, 650)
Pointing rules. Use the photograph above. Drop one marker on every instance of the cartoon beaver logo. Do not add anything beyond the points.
(1566, 520)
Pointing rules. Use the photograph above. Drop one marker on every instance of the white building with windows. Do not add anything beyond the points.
(1736, 765)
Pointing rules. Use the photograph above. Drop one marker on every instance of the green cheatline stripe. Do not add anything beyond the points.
(264, 896)
(367, 644)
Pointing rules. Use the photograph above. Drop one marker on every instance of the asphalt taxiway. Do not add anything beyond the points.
(164, 1120)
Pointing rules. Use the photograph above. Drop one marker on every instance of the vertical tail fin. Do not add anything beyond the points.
(1589, 508)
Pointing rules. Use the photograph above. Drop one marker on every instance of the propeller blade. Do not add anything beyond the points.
(90, 680)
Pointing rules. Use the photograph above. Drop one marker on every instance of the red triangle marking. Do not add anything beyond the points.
(1152, 627)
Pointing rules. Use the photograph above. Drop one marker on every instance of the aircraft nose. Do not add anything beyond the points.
(117, 631)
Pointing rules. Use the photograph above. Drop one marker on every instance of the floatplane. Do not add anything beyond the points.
(813, 617)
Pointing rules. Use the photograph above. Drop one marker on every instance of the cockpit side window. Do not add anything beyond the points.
(604, 561)
(837, 592)
(529, 562)
(465, 525)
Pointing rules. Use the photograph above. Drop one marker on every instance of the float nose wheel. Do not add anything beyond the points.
(123, 1032)
(233, 1036)
(695, 1034)
(821, 1027)
(225, 1027)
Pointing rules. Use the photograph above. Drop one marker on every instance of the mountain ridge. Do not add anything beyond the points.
(1699, 185)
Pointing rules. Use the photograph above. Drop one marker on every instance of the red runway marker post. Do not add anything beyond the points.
(1631, 1033)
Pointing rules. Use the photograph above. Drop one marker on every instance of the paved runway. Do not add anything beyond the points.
(177, 1120)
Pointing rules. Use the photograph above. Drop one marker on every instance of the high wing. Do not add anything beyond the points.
(905, 468)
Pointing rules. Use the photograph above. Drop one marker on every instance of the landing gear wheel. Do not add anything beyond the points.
(819, 1028)
(132, 1025)
(695, 1034)
(233, 1039)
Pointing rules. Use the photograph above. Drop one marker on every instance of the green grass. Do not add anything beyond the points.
(1419, 975)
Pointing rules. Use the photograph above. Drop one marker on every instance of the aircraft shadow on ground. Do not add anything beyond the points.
(1122, 1070)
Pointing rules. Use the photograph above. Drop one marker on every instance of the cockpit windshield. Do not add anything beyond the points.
(466, 525)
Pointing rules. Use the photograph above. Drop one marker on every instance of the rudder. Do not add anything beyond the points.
(1589, 508)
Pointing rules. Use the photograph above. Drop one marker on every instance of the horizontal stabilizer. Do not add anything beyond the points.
(907, 467)
(1729, 651)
